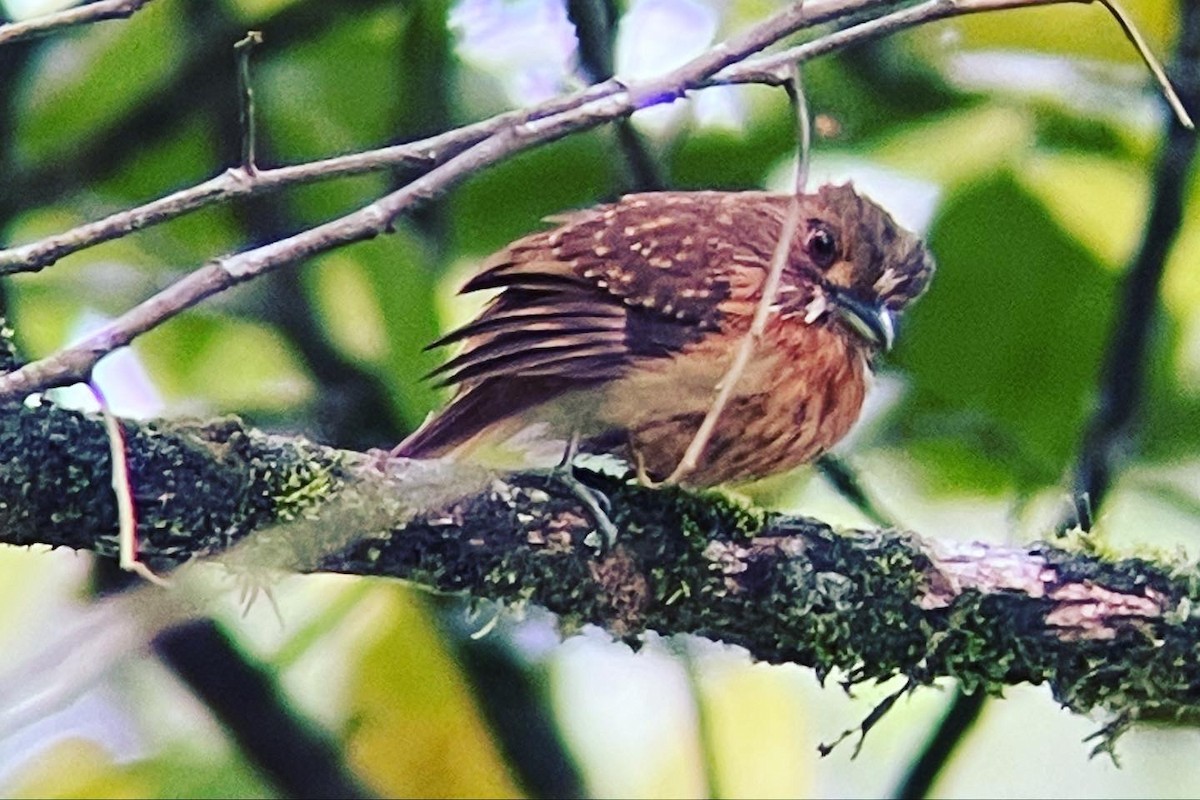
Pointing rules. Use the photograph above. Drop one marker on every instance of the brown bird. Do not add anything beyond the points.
(615, 328)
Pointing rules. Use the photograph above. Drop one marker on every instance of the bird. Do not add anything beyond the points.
(613, 329)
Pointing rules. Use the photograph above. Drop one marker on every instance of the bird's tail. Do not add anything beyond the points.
(488, 411)
(441, 432)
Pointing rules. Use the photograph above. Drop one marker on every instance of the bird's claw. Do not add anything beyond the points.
(595, 501)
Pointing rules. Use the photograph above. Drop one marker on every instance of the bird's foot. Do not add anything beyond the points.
(595, 501)
(640, 473)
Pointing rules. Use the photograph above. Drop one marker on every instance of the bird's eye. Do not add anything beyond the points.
(822, 246)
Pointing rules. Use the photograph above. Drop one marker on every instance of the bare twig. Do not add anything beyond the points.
(758, 325)
(122, 485)
(237, 183)
(795, 89)
(746, 346)
(244, 48)
(1160, 75)
(595, 24)
(765, 69)
(71, 17)
(961, 714)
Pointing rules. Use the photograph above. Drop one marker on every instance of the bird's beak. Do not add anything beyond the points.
(872, 321)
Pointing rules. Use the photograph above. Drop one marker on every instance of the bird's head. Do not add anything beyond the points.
(867, 267)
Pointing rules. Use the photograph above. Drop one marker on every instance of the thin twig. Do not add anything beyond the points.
(758, 326)
(766, 69)
(595, 35)
(71, 17)
(794, 85)
(746, 347)
(237, 183)
(1160, 75)
(244, 47)
(127, 536)
(796, 17)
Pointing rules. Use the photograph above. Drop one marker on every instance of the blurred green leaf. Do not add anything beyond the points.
(252, 10)
(415, 730)
(399, 271)
(82, 768)
(349, 306)
(231, 363)
(311, 97)
(718, 158)
(314, 102)
(1065, 29)
(743, 709)
(959, 146)
(1100, 202)
(1003, 352)
(511, 199)
(94, 78)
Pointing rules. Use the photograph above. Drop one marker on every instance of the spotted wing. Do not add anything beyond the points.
(580, 304)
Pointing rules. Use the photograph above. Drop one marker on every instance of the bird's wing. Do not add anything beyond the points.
(669, 253)
(641, 277)
(580, 304)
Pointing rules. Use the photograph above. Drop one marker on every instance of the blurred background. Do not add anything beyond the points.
(1023, 146)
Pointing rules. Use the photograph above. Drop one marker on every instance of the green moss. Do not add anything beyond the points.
(301, 488)
(9, 358)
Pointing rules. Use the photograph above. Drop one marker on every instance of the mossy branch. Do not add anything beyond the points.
(1119, 635)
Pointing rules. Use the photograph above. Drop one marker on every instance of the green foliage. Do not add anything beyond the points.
(511, 199)
(416, 730)
(82, 768)
(1008, 276)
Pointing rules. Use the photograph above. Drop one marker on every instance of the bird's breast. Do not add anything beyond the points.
(800, 393)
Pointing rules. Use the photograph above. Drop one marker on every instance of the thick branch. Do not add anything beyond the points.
(869, 605)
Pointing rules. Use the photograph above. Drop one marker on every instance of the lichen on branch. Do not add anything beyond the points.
(864, 605)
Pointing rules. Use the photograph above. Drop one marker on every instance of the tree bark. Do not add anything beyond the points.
(863, 605)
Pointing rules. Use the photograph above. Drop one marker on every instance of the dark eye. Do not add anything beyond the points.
(822, 246)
